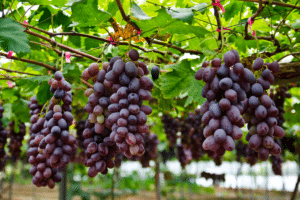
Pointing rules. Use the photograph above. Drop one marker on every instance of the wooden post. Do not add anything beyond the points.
(294, 194)
(113, 185)
(267, 181)
(157, 177)
(63, 185)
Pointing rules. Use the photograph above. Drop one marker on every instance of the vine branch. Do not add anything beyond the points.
(259, 10)
(29, 61)
(19, 72)
(278, 3)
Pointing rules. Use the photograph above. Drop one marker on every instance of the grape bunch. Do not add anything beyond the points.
(277, 164)
(279, 98)
(252, 156)
(35, 108)
(151, 142)
(193, 121)
(16, 139)
(225, 91)
(128, 115)
(184, 155)
(58, 145)
(171, 127)
(3, 140)
(99, 148)
(80, 126)
(241, 150)
(261, 113)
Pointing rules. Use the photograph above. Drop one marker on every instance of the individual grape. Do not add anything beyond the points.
(233, 114)
(216, 63)
(248, 76)
(118, 67)
(225, 83)
(262, 128)
(263, 154)
(219, 136)
(230, 94)
(199, 74)
(224, 104)
(215, 110)
(133, 55)
(155, 72)
(229, 143)
(208, 75)
(265, 84)
(258, 63)
(146, 83)
(229, 59)
(130, 69)
(235, 77)
(266, 101)
(268, 142)
(237, 56)
(278, 132)
(238, 68)
(274, 67)
(237, 133)
(257, 89)
(260, 112)
(253, 102)
(255, 141)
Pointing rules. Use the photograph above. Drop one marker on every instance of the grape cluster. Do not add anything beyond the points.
(3, 140)
(128, 115)
(279, 98)
(215, 177)
(252, 156)
(80, 126)
(98, 146)
(171, 127)
(43, 173)
(277, 164)
(184, 155)
(225, 91)
(261, 113)
(35, 108)
(194, 123)
(151, 142)
(16, 139)
(241, 150)
(58, 145)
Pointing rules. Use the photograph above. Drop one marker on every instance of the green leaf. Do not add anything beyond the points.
(71, 73)
(194, 92)
(43, 94)
(12, 37)
(30, 83)
(164, 23)
(138, 13)
(296, 24)
(186, 14)
(59, 3)
(86, 13)
(232, 9)
(174, 82)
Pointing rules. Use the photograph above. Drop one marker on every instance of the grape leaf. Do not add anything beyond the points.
(186, 14)
(194, 92)
(164, 23)
(30, 83)
(43, 94)
(86, 13)
(137, 12)
(12, 37)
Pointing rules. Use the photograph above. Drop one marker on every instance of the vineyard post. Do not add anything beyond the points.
(267, 181)
(11, 181)
(63, 185)
(113, 184)
(294, 194)
(157, 177)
